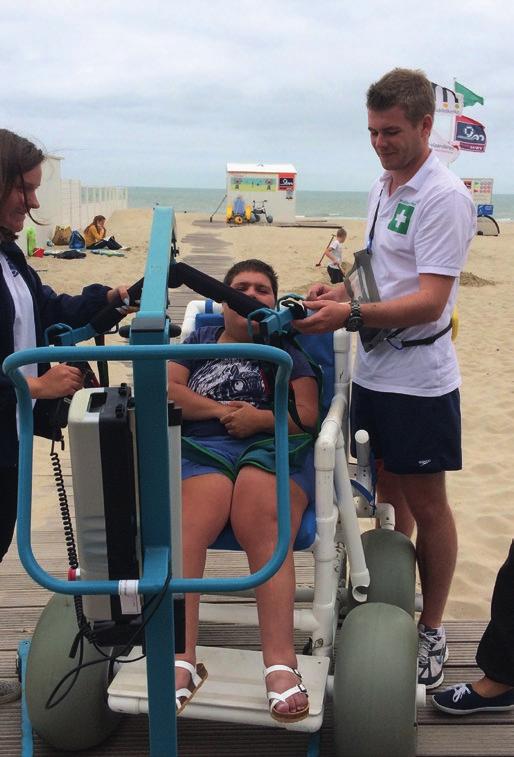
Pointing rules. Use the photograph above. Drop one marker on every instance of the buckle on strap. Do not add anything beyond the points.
(399, 344)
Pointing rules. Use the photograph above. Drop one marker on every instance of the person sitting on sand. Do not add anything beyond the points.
(226, 411)
(495, 656)
(94, 234)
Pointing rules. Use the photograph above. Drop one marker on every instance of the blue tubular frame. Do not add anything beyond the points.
(149, 350)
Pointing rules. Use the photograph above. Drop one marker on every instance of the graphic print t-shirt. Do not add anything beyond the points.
(227, 379)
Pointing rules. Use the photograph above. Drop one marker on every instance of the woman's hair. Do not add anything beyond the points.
(94, 223)
(259, 266)
(17, 156)
(408, 88)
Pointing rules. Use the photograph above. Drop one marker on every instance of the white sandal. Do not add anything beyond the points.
(198, 676)
(274, 697)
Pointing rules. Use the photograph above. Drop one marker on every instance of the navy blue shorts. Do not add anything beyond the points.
(409, 434)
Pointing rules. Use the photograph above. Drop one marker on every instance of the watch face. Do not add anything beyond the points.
(354, 323)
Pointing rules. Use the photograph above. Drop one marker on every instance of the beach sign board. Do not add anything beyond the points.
(481, 191)
(271, 186)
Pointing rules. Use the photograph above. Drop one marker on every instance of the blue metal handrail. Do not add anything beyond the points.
(136, 353)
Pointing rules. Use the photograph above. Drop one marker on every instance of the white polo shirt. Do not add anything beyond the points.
(336, 248)
(425, 226)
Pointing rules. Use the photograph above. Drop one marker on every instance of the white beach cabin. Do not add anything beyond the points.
(271, 183)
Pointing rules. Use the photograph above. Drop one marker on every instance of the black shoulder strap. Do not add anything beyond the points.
(416, 342)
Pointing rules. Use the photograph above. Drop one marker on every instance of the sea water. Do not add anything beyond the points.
(308, 202)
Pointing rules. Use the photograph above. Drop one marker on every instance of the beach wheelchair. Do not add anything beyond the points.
(239, 213)
(361, 639)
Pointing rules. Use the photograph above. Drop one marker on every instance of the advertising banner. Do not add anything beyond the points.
(445, 150)
(286, 182)
(470, 134)
(257, 183)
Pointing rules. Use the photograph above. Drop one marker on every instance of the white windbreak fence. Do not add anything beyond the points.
(79, 204)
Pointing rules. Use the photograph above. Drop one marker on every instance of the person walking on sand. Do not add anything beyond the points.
(334, 253)
(27, 308)
(421, 220)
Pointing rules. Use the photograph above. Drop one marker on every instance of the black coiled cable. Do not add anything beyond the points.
(65, 510)
(71, 547)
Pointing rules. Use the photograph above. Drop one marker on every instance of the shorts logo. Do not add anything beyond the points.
(424, 462)
(401, 218)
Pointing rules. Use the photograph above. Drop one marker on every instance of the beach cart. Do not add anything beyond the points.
(358, 617)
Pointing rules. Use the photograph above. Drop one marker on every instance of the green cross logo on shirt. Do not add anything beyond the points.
(401, 218)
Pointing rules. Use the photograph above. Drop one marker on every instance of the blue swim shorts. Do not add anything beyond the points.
(409, 434)
(227, 455)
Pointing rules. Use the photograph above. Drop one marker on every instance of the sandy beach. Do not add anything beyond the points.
(482, 494)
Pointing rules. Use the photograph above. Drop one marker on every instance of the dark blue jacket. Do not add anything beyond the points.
(49, 308)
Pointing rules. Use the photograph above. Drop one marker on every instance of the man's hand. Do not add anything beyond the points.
(330, 316)
(319, 290)
(242, 419)
(326, 292)
(60, 381)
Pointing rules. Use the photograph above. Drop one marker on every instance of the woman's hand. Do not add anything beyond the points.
(121, 292)
(60, 381)
(242, 419)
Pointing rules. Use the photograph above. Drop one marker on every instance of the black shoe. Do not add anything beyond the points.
(461, 699)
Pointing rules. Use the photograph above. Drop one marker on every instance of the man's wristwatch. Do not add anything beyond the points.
(354, 322)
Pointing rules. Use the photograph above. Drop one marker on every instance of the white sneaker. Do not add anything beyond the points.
(432, 654)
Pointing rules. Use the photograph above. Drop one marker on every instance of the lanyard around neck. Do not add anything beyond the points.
(372, 230)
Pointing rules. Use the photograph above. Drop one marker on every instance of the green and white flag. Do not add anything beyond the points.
(401, 218)
(470, 98)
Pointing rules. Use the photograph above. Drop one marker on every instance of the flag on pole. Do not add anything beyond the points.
(470, 134)
(445, 150)
(446, 101)
(470, 98)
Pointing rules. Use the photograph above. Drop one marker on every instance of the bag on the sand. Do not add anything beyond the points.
(77, 241)
(61, 235)
(69, 254)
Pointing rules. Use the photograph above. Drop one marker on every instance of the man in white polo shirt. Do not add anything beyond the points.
(421, 220)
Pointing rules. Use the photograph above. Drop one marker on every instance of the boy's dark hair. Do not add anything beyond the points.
(253, 264)
(408, 88)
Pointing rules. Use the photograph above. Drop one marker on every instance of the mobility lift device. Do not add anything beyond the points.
(129, 596)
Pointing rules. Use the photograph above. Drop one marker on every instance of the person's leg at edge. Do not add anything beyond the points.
(495, 653)
(9, 687)
(205, 511)
(254, 493)
(436, 543)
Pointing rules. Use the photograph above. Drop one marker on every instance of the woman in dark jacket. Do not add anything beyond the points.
(27, 308)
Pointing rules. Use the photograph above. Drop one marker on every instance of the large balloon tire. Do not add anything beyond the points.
(269, 219)
(375, 680)
(391, 561)
(83, 719)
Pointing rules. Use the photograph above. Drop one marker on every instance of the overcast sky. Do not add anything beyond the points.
(163, 93)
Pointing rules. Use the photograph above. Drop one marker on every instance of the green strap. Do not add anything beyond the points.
(195, 452)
